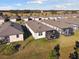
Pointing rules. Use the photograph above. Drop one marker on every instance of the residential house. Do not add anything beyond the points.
(59, 26)
(11, 32)
(13, 18)
(37, 29)
(25, 18)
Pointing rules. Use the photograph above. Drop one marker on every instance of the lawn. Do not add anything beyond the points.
(40, 49)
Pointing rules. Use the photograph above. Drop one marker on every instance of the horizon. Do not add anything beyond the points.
(39, 5)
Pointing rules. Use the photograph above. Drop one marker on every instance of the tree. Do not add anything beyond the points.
(6, 18)
(1, 14)
(57, 48)
(77, 44)
(18, 18)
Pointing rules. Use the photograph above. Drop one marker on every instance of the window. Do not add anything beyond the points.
(17, 36)
(40, 34)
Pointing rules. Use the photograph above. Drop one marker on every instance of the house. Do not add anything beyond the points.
(11, 32)
(37, 29)
(1, 20)
(59, 26)
(74, 22)
(25, 18)
(31, 18)
(13, 18)
(37, 18)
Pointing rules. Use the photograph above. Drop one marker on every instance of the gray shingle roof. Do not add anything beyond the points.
(59, 24)
(37, 26)
(10, 28)
(13, 17)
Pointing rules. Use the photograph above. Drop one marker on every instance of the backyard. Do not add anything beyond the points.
(40, 49)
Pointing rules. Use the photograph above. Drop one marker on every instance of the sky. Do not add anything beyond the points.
(39, 4)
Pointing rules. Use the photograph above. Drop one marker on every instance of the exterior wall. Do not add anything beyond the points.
(1, 21)
(35, 35)
(46, 18)
(36, 18)
(32, 18)
(13, 20)
(51, 18)
(25, 19)
(59, 17)
(13, 38)
(75, 27)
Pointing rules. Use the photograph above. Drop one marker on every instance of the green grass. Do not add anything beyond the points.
(40, 49)
(9, 49)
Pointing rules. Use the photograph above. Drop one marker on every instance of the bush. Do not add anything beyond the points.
(11, 49)
(2, 47)
(52, 55)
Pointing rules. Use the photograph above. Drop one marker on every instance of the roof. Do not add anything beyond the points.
(10, 28)
(37, 26)
(13, 17)
(74, 21)
(58, 24)
(24, 17)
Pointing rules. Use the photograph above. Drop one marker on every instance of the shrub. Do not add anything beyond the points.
(11, 49)
(52, 54)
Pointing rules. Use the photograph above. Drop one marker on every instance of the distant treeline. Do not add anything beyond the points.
(36, 12)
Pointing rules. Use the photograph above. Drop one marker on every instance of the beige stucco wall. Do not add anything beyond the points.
(13, 38)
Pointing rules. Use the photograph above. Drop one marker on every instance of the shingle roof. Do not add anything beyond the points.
(10, 28)
(37, 26)
(23, 17)
(58, 24)
(74, 21)
(13, 17)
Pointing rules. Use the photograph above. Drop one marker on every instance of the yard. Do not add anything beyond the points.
(40, 49)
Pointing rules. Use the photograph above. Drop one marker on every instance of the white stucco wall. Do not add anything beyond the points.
(46, 18)
(13, 38)
(35, 35)
(36, 18)
(13, 20)
(51, 18)
(1, 21)
(75, 27)
(26, 19)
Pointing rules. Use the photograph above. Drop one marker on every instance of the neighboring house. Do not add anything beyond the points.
(37, 29)
(53, 26)
(74, 22)
(31, 18)
(13, 18)
(59, 26)
(37, 18)
(11, 32)
(25, 18)
(1, 20)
